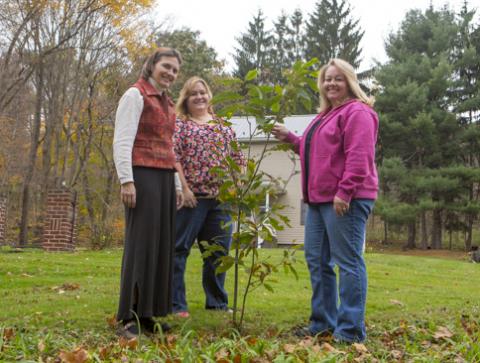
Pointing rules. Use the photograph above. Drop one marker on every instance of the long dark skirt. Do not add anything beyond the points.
(147, 264)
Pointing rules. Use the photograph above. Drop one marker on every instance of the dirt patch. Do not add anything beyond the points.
(398, 250)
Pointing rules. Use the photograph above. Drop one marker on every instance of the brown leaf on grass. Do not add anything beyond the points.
(289, 348)
(105, 351)
(66, 287)
(237, 358)
(41, 346)
(252, 340)
(8, 333)
(396, 354)
(222, 356)
(26, 275)
(128, 343)
(307, 342)
(396, 302)
(442, 333)
(469, 325)
(111, 321)
(78, 355)
(360, 348)
(328, 347)
(171, 340)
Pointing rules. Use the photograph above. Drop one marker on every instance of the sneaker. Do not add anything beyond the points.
(183, 314)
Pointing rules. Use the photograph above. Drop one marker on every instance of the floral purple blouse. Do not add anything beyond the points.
(199, 148)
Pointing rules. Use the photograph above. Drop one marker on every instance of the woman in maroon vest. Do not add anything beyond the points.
(145, 163)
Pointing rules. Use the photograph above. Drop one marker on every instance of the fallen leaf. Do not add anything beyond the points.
(306, 342)
(79, 355)
(68, 286)
(104, 352)
(396, 354)
(328, 347)
(252, 341)
(360, 348)
(442, 333)
(8, 333)
(128, 343)
(26, 275)
(396, 302)
(289, 348)
(222, 356)
(41, 346)
(111, 321)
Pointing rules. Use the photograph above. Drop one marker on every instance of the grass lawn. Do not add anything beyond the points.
(57, 306)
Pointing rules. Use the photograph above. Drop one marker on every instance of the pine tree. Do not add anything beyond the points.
(296, 37)
(331, 32)
(417, 123)
(279, 53)
(465, 98)
(253, 50)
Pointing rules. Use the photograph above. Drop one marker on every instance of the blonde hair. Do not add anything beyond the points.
(352, 81)
(181, 106)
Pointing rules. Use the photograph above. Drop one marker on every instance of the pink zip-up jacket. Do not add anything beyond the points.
(342, 154)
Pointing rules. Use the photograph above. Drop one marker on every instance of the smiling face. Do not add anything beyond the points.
(165, 71)
(335, 86)
(198, 100)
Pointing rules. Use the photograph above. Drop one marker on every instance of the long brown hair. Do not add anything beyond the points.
(153, 59)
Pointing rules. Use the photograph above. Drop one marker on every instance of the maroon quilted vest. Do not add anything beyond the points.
(153, 146)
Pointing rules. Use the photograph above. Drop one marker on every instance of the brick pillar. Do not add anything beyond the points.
(59, 229)
(3, 219)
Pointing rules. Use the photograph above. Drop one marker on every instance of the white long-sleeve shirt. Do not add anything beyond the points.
(127, 118)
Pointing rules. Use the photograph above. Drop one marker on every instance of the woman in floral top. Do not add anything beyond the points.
(200, 145)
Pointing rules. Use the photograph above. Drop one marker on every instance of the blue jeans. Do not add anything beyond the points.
(202, 223)
(332, 240)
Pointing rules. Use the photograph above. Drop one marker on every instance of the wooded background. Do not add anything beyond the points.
(64, 65)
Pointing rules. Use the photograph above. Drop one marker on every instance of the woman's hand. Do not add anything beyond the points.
(189, 199)
(128, 194)
(280, 132)
(180, 199)
(341, 207)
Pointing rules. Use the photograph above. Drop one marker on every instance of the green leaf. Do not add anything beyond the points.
(251, 75)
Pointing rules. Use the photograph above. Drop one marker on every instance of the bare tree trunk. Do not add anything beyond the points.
(23, 233)
(423, 224)
(437, 229)
(385, 232)
(412, 233)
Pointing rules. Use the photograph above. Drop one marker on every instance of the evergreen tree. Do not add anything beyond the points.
(417, 123)
(331, 32)
(296, 37)
(253, 50)
(280, 59)
(465, 98)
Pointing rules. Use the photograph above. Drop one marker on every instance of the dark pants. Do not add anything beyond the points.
(203, 223)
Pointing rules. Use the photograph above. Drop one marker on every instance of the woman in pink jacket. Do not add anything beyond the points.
(340, 184)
